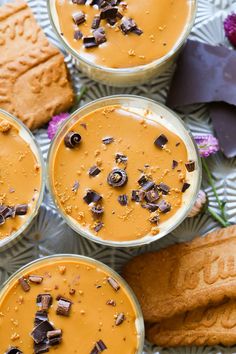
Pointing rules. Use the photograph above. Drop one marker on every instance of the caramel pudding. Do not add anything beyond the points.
(69, 304)
(114, 34)
(121, 172)
(20, 176)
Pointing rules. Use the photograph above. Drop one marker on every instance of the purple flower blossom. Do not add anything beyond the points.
(230, 28)
(207, 144)
(55, 123)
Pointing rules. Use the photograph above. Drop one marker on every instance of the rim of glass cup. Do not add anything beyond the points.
(132, 70)
(140, 326)
(109, 100)
(9, 240)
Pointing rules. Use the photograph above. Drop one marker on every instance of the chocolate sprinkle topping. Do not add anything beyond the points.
(185, 187)
(99, 347)
(97, 211)
(39, 333)
(75, 187)
(79, 17)
(123, 199)
(36, 279)
(190, 166)
(164, 206)
(117, 178)
(44, 301)
(24, 284)
(161, 141)
(14, 350)
(164, 188)
(108, 140)
(94, 171)
(174, 164)
(64, 306)
(92, 197)
(72, 139)
(113, 283)
(99, 225)
(120, 319)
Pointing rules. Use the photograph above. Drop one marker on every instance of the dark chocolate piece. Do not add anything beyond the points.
(99, 35)
(79, 17)
(42, 347)
(36, 279)
(99, 225)
(123, 199)
(148, 186)
(97, 211)
(120, 319)
(120, 158)
(89, 42)
(63, 307)
(190, 166)
(138, 195)
(99, 347)
(75, 187)
(111, 21)
(150, 206)
(117, 178)
(174, 164)
(94, 171)
(54, 337)
(84, 125)
(109, 12)
(96, 22)
(72, 139)
(13, 350)
(113, 283)
(161, 141)
(92, 197)
(21, 209)
(127, 25)
(79, 2)
(152, 196)
(108, 140)
(7, 212)
(2, 219)
(78, 34)
(143, 180)
(72, 291)
(24, 284)
(40, 316)
(164, 206)
(185, 187)
(164, 188)
(39, 332)
(44, 301)
(111, 303)
(137, 31)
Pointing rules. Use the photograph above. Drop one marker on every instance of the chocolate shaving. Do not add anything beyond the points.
(75, 187)
(92, 197)
(185, 187)
(190, 166)
(113, 283)
(174, 164)
(117, 178)
(42, 347)
(148, 186)
(127, 25)
(120, 319)
(79, 2)
(164, 206)
(152, 196)
(150, 206)
(79, 17)
(143, 180)
(36, 279)
(84, 125)
(89, 42)
(109, 12)
(111, 303)
(54, 337)
(13, 350)
(40, 316)
(78, 34)
(120, 158)
(98, 226)
(97, 211)
(72, 291)
(164, 188)
(2, 219)
(96, 22)
(21, 209)
(94, 171)
(99, 35)
(44, 301)
(108, 140)
(99, 347)
(39, 333)
(24, 284)
(138, 195)
(72, 139)
(123, 199)
(161, 141)
(63, 306)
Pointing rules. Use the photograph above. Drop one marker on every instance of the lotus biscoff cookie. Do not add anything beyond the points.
(33, 77)
(185, 276)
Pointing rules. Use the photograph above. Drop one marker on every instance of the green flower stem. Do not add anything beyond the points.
(218, 218)
(210, 179)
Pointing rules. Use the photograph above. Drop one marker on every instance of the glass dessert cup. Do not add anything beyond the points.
(28, 137)
(156, 111)
(124, 77)
(76, 261)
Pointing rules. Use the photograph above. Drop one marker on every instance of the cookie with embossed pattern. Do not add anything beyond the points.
(203, 326)
(185, 276)
(34, 82)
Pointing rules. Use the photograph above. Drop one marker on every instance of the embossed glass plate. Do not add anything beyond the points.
(49, 235)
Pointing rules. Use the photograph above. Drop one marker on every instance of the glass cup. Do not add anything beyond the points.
(28, 137)
(123, 77)
(173, 123)
(30, 267)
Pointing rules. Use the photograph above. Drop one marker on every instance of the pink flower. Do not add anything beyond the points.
(207, 144)
(55, 124)
(230, 28)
